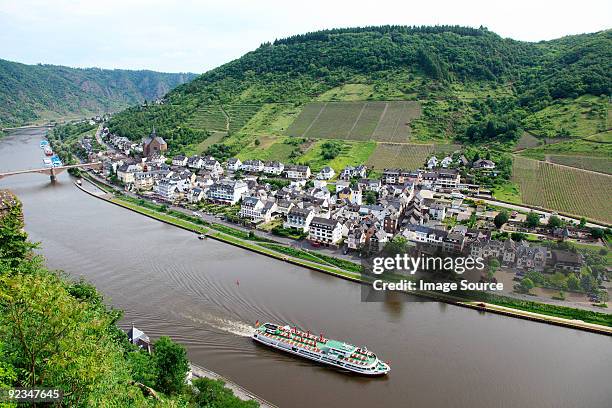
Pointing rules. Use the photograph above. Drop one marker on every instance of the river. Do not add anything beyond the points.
(206, 295)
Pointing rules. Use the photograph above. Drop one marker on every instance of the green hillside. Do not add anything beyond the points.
(466, 85)
(30, 93)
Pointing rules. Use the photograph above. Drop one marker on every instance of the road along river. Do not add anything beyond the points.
(170, 283)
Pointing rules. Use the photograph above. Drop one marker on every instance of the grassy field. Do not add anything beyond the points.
(580, 147)
(527, 141)
(352, 153)
(602, 137)
(509, 192)
(348, 92)
(600, 164)
(269, 148)
(563, 189)
(374, 120)
(272, 119)
(580, 117)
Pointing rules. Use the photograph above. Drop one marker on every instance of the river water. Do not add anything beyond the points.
(206, 295)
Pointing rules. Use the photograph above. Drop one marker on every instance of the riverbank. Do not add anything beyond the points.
(556, 315)
(240, 392)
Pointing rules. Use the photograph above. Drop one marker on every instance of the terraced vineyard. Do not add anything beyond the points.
(215, 117)
(407, 156)
(375, 120)
(208, 117)
(239, 115)
(567, 190)
(599, 164)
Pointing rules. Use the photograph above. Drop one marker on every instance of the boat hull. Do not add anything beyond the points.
(280, 345)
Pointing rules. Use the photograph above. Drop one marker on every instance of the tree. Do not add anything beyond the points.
(533, 220)
(14, 244)
(536, 277)
(493, 265)
(501, 218)
(8, 375)
(172, 365)
(472, 221)
(587, 282)
(213, 393)
(554, 221)
(56, 340)
(518, 236)
(142, 367)
(583, 222)
(573, 283)
(370, 197)
(597, 233)
(526, 285)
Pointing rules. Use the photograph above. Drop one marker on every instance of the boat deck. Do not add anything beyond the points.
(319, 344)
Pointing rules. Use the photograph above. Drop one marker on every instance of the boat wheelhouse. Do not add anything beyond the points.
(318, 348)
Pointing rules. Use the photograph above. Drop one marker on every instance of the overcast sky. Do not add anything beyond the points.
(194, 36)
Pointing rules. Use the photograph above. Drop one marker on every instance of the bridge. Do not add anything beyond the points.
(52, 172)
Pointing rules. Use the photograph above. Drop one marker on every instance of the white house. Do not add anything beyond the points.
(325, 231)
(422, 234)
(252, 166)
(234, 164)
(349, 172)
(126, 172)
(273, 168)
(256, 209)
(437, 211)
(195, 195)
(195, 162)
(483, 164)
(299, 218)
(326, 173)
(166, 188)
(432, 162)
(143, 180)
(179, 161)
(298, 172)
(227, 191)
(447, 161)
(209, 163)
(370, 185)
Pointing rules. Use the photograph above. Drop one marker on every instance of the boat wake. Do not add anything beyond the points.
(223, 324)
(234, 327)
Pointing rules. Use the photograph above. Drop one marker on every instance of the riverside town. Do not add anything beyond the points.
(239, 205)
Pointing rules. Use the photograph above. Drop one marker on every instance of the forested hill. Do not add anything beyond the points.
(38, 92)
(487, 79)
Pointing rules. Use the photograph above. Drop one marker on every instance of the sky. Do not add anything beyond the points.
(195, 36)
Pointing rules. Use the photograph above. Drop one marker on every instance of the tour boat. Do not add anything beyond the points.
(318, 348)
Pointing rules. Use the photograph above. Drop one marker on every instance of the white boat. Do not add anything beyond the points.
(331, 352)
(47, 161)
